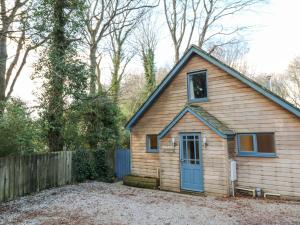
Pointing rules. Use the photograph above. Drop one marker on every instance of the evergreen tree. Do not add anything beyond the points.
(57, 56)
(62, 73)
(149, 69)
(147, 42)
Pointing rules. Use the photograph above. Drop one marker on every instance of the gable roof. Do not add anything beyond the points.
(195, 50)
(212, 122)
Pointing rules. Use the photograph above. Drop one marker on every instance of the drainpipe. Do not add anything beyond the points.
(233, 175)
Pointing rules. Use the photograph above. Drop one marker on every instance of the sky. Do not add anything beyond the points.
(277, 41)
(273, 43)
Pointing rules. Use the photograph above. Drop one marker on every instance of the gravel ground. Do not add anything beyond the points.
(101, 203)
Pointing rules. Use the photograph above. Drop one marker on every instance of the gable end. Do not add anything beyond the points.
(195, 50)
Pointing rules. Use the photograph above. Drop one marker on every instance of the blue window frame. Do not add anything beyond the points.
(256, 144)
(152, 143)
(197, 86)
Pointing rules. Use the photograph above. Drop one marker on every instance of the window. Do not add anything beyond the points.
(246, 143)
(257, 144)
(197, 86)
(152, 143)
(265, 143)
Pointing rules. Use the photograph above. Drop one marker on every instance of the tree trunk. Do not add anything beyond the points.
(93, 66)
(3, 52)
(176, 48)
(3, 60)
(115, 81)
(99, 78)
(57, 61)
(115, 86)
(148, 60)
(176, 54)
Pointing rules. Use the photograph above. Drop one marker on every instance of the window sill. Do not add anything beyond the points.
(152, 151)
(198, 100)
(261, 155)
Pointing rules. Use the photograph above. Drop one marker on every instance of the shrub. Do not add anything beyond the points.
(101, 121)
(83, 166)
(93, 124)
(104, 165)
(18, 132)
(73, 131)
(90, 165)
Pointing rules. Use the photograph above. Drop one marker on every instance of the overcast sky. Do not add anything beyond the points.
(273, 43)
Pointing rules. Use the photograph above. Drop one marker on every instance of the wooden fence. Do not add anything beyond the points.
(21, 175)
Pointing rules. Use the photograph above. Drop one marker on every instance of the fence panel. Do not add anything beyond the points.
(122, 163)
(21, 175)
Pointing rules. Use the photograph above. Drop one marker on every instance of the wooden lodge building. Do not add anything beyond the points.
(205, 114)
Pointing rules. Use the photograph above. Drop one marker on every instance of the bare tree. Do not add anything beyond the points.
(14, 32)
(120, 52)
(212, 29)
(147, 42)
(100, 17)
(161, 73)
(132, 98)
(286, 85)
(277, 83)
(178, 18)
(293, 74)
(234, 56)
(182, 16)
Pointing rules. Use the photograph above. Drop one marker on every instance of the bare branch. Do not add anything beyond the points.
(183, 16)
(16, 58)
(30, 48)
(102, 18)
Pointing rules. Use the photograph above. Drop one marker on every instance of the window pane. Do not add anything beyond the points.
(265, 143)
(246, 143)
(184, 149)
(197, 86)
(152, 141)
(191, 152)
(197, 150)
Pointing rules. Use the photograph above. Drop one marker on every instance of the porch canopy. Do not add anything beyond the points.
(211, 121)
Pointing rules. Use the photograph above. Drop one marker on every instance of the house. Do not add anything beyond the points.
(203, 115)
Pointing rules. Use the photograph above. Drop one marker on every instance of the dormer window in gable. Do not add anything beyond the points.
(197, 86)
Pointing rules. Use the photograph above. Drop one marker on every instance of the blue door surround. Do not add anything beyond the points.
(191, 168)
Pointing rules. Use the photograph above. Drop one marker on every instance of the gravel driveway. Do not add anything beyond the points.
(101, 203)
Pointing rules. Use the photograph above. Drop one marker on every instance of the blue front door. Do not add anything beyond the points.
(191, 162)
